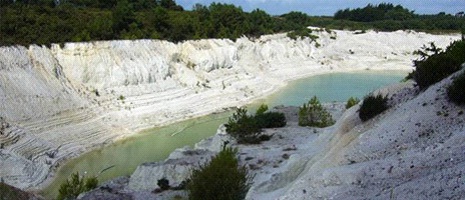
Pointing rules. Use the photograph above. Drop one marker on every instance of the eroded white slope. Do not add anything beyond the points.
(58, 103)
(415, 150)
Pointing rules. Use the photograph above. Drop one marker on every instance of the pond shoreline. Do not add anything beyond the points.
(253, 104)
(84, 96)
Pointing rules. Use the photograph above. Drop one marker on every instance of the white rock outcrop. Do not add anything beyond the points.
(414, 150)
(62, 101)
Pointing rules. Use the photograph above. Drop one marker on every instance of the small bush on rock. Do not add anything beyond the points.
(352, 102)
(269, 119)
(247, 128)
(313, 114)
(164, 184)
(243, 127)
(222, 178)
(456, 91)
(76, 185)
(372, 106)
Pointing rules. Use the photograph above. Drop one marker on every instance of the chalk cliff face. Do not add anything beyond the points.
(414, 150)
(59, 102)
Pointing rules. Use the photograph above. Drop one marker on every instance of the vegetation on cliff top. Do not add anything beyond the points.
(436, 64)
(49, 21)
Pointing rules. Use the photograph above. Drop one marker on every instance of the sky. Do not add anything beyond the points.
(329, 7)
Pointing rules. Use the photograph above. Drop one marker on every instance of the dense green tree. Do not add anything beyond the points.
(6, 2)
(27, 22)
(370, 13)
(204, 27)
(227, 19)
(170, 5)
(123, 16)
(259, 23)
(295, 20)
(182, 27)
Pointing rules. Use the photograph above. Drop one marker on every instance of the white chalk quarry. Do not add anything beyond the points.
(59, 102)
(413, 150)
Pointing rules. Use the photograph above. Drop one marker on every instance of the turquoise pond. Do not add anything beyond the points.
(156, 144)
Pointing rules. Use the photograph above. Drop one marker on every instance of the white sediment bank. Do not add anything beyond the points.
(413, 150)
(60, 102)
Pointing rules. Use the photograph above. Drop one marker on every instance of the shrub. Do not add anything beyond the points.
(456, 91)
(222, 178)
(372, 106)
(164, 184)
(435, 64)
(302, 33)
(243, 127)
(8, 192)
(76, 185)
(269, 119)
(247, 129)
(352, 102)
(313, 114)
(261, 110)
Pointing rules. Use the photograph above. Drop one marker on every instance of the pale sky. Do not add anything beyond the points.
(329, 7)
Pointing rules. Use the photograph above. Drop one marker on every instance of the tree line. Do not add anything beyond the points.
(388, 17)
(49, 21)
(27, 22)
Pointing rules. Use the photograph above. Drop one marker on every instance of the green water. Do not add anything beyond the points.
(156, 144)
(333, 87)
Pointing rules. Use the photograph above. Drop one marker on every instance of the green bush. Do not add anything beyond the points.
(247, 129)
(352, 102)
(222, 178)
(243, 127)
(76, 185)
(269, 119)
(432, 68)
(456, 91)
(372, 106)
(164, 184)
(302, 33)
(262, 109)
(313, 114)
(8, 192)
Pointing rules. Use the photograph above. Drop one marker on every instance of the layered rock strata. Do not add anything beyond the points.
(59, 102)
